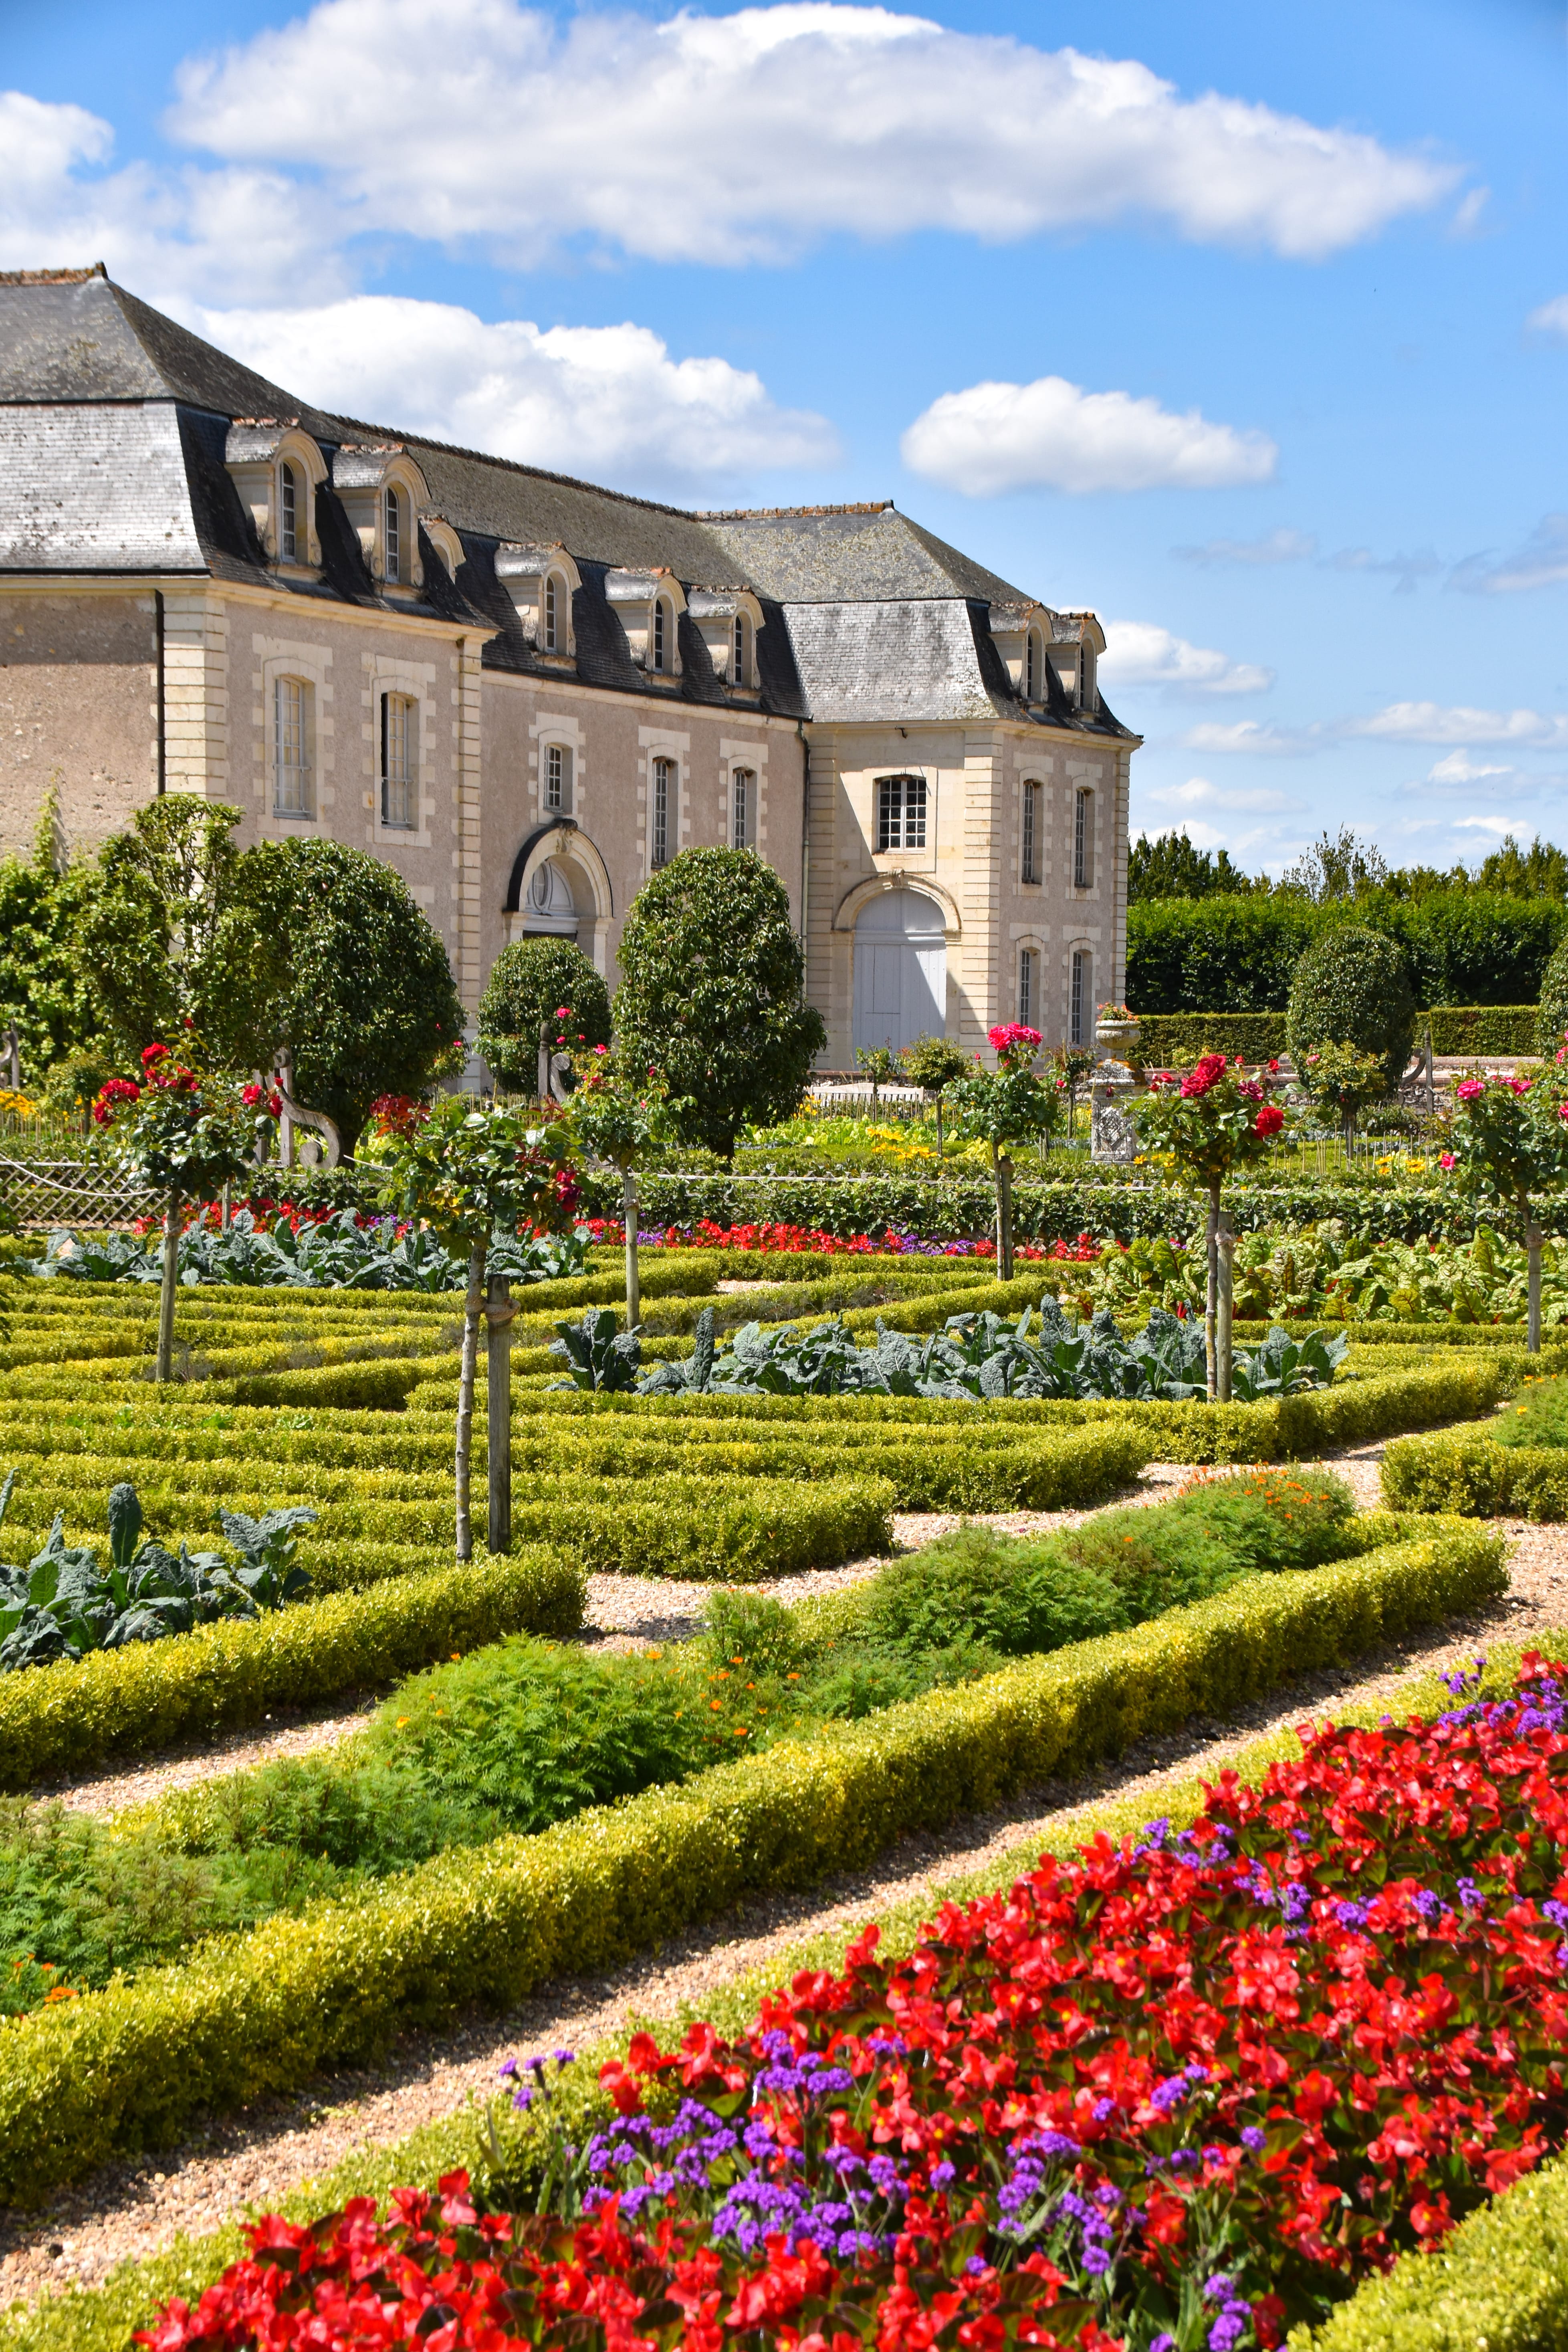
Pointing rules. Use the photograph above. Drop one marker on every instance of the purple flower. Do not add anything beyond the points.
(1252, 2137)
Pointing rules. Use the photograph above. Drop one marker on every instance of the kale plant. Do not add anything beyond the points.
(336, 1254)
(597, 1356)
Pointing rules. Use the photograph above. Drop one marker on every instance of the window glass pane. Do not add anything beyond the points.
(399, 737)
(1078, 1006)
(394, 538)
(1028, 869)
(663, 777)
(744, 786)
(900, 813)
(659, 628)
(1083, 841)
(285, 538)
(292, 788)
(1026, 987)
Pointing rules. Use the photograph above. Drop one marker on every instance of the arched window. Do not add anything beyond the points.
(1080, 997)
(293, 782)
(1027, 959)
(743, 808)
(665, 790)
(663, 633)
(1029, 836)
(1083, 840)
(900, 813)
(392, 536)
(288, 515)
(555, 609)
(1086, 693)
(399, 762)
(558, 780)
(740, 662)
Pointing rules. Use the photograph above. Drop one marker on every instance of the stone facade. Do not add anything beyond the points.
(525, 693)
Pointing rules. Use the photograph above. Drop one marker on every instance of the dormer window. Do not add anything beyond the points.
(1032, 666)
(663, 632)
(288, 515)
(1086, 693)
(392, 540)
(740, 654)
(554, 619)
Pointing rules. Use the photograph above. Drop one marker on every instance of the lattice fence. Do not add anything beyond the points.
(38, 1194)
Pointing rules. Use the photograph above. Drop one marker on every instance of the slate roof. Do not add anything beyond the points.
(112, 427)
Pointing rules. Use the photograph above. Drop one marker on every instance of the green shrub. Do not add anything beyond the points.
(123, 2069)
(1167, 1038)
(1477, 1477)
(60, 1719)
(528, 982)
(975, 1586)
(1485, 1028)
(1352, 989)
(1538, 1416)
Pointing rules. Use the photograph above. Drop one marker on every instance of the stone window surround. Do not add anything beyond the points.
(554, 727)
(735, 752)
(393, 674)
(664, 744)
(282, 657)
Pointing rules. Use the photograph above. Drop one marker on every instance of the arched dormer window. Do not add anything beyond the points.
(663, 633)
(740, 652)
(1086, 691)
(1033, 667)
(289, 515)
(557, 615)
(392, 534)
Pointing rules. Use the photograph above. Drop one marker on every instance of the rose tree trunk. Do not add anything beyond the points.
(472, 1307)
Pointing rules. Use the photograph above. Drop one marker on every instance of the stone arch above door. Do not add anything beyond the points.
(560, 888)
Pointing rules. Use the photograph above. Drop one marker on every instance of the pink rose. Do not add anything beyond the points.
(1446, 1159)
(1468, 1088)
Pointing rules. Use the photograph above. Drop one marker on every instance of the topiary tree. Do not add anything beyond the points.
(932, 1064)
(711, 996)
(367, 1002)
(1553, 1022)
(1003, 1107)
(1342, 1079)
(531, 983)
(1351, 988)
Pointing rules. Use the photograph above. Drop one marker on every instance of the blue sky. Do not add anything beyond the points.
(1248, 328)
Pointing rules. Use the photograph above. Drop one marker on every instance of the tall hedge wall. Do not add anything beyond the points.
(1236, 954)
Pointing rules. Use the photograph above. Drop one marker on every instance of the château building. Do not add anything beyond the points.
(525, 693)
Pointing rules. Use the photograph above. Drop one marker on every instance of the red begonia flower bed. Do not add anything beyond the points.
(1178, 2092)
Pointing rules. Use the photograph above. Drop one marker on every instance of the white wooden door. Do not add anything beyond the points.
(900, 971)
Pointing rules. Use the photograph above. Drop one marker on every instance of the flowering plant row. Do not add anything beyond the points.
(786, 1239)
(1179, 2092)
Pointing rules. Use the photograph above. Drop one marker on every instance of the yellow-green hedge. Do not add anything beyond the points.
(1477, 1477)
(59, 1720)
(124, 2068)
(1500, 2284)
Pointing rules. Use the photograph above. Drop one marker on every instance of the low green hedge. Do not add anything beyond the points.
(1482, 1028)
(1499, 2284)
(61, 1719)
(125, 2068)
(1477, 1477)
(1167, 1038)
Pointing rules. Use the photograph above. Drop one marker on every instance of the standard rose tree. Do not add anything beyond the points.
(619, 1115)
(1510, 1145)
(1211, 1120)
(1005, 1107)
(183, 1131)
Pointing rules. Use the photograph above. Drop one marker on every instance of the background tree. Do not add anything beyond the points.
(1554, 1017)
(932, 1064)
(530, 981)
(365, 997)
(44, 987)
(1539, 872)
(1338, 865)
(1211, 1118)
(711, 995)
(172, 934)
(1168, 866)
(1003, 1107)
(1351, 989)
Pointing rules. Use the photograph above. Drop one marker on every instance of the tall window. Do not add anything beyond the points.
(1078, 999)
(743, 808)
(661, 634)
(1083, 840)
(1086, 677)
(900, 813)
(554, 615)
(393, 536)
(1031, 667)
(558, 778)
(663, 795)
(1028, 853)
(288, 517)
(1026, 987)
(399, 756)
(294, 793)
(740, 669)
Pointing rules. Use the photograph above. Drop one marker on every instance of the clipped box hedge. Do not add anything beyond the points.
(1477, 1477)
(61, 1719)
(124, 2068)
(1499, 2284)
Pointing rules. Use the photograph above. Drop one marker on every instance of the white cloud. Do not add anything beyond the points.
(1053, 434)
(1551, 319)
(1250, 735)
(1458, 768)
(607, 401)
(1281, 546)
(1541, 562)
(1404, 569)
(170, 235)
(1434, 722)
(1468, 212)
(1495, 824)
(745, 136)
(1198, 793)
(1139, 653)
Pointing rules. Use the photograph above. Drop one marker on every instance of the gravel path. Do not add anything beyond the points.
(135, 2209)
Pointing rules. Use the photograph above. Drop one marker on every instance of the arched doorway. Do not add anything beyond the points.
(550, 905)
(900, 969)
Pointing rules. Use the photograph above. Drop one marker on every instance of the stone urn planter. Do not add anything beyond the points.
(1116, 1034)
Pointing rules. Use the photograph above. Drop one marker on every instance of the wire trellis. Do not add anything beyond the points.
(36, 1195)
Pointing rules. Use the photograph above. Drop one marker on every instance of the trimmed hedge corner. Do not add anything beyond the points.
(1476, 1478)
(122, 2069)
(62, 1719)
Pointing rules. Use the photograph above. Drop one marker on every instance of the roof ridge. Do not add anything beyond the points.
(51, 277)
(772, 514)
(513, 465)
